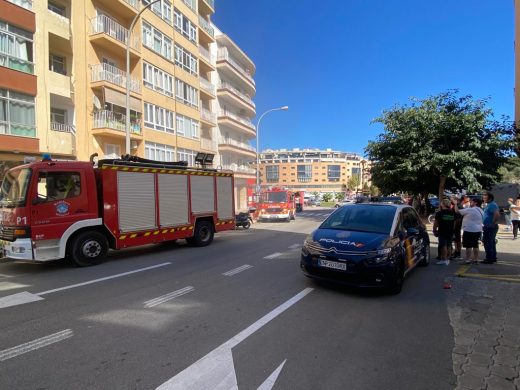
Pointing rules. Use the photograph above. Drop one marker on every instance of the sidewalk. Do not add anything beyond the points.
(484, 310)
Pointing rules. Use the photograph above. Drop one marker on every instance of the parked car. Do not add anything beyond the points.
(367, 245)
(387, 199)
(344, 202)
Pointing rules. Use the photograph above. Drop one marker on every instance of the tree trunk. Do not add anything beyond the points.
(442, 184)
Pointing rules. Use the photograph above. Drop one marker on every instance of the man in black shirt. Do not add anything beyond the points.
(443, 228)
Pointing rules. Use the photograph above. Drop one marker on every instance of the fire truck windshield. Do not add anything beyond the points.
(273, 197)
(14, 188)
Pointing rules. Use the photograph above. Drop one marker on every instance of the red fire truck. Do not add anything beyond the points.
(276, 204)
(55, 209)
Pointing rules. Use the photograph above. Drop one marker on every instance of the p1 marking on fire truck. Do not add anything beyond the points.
(276, 204)
(56, 209)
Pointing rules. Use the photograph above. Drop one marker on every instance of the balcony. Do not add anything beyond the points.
(208, 35)
(224, 59)
(101, 73)
(127, 9)
(63, 128)
(111, 123)
(244, 125)
(239, 169)
(233, 96)
(206, 7)
(63, 142)
(208, 61)
(208, 117)
(208, 144)
(207, 88)
(106, 32)
(233, 146)
(59, 25)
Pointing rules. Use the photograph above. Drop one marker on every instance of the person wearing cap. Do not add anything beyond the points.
(490, 230)
(443, 229)
(471, 227)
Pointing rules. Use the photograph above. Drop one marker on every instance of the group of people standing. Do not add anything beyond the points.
(466, 215)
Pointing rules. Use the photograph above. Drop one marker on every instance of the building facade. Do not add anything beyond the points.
(313, 170)
(235, 109)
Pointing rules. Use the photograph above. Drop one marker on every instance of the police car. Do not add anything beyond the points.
(367, 245)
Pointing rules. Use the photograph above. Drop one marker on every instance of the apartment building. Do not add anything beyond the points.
(18, 84)
(312, 170)
(235, 109)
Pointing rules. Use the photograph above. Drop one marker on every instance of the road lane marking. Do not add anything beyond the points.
(102, 279)
(216, 370)
(269, 382)
(27, 297)
(237, 270)
(295, 246)
(273, 256)
(35, 344)
(168, 297)
(18, 299)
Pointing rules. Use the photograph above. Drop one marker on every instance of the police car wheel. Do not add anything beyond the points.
(395, 285)
(88, 248)
(425, 261)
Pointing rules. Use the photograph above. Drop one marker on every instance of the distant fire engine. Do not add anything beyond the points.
(276, 204)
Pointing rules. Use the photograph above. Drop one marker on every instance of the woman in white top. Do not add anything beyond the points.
(471, 228)
(515, 216)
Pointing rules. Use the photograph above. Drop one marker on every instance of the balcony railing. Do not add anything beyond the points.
(208, 116)
(115, 121)
(206, 54)
(223, 55)
(247, 98)
(207, 86)
(206, 26)
(64, 128)
(208, 144)
(103, 24)
(240, 119)
(238, 144)
(111, 74)
(239, 168)
(27, 4)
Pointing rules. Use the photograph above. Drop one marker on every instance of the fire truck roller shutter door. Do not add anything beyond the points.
(173, 199)
(224, 198)
(136, 195)
(202, 194)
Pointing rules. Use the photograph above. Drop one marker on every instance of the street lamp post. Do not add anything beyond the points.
(127, 101)
(283, 108)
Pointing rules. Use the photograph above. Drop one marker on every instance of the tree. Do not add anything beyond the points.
(327, 197)
(353, 183)
(340, 196)
(374, 191)
(439, 142)
(510, 172)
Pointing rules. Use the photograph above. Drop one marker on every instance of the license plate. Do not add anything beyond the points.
(332, 264)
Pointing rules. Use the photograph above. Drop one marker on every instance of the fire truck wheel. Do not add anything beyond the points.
(202, 235)
(89, 248)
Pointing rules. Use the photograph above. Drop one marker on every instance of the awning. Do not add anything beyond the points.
(119, 99)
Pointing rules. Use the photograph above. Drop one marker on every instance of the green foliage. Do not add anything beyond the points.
(327, 197)
(374, 190)
(510, 172)
(316, 194)
(438, 142)
(353, 183)
(340, 196)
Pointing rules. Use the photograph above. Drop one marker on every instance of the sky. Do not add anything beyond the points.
(338, 64)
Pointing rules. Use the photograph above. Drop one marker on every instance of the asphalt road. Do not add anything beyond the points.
(236, 313)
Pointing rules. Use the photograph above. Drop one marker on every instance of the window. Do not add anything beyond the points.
(17, 114)
(191, 4)
(57, 64)
(159, 152)
(185, 26)
(27, 4)
(272, 173)
(163, 9)
(112, 151)
(158, 118)
(57, 8)
(58, 185)
(333, 172)
(304, 173)
(187, 127)
(158, 80)
(356, 172)
(187, 155)
(16, 48)
(58, 116)
(186, 94)
(185, 60)
(157, 41)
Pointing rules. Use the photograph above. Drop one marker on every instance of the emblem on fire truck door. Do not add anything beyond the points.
(62, 208)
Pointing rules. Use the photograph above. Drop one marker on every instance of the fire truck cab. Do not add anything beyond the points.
(276, 204)
(55, 209)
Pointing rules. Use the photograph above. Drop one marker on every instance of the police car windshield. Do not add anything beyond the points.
(362, 218)
(14, 187)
